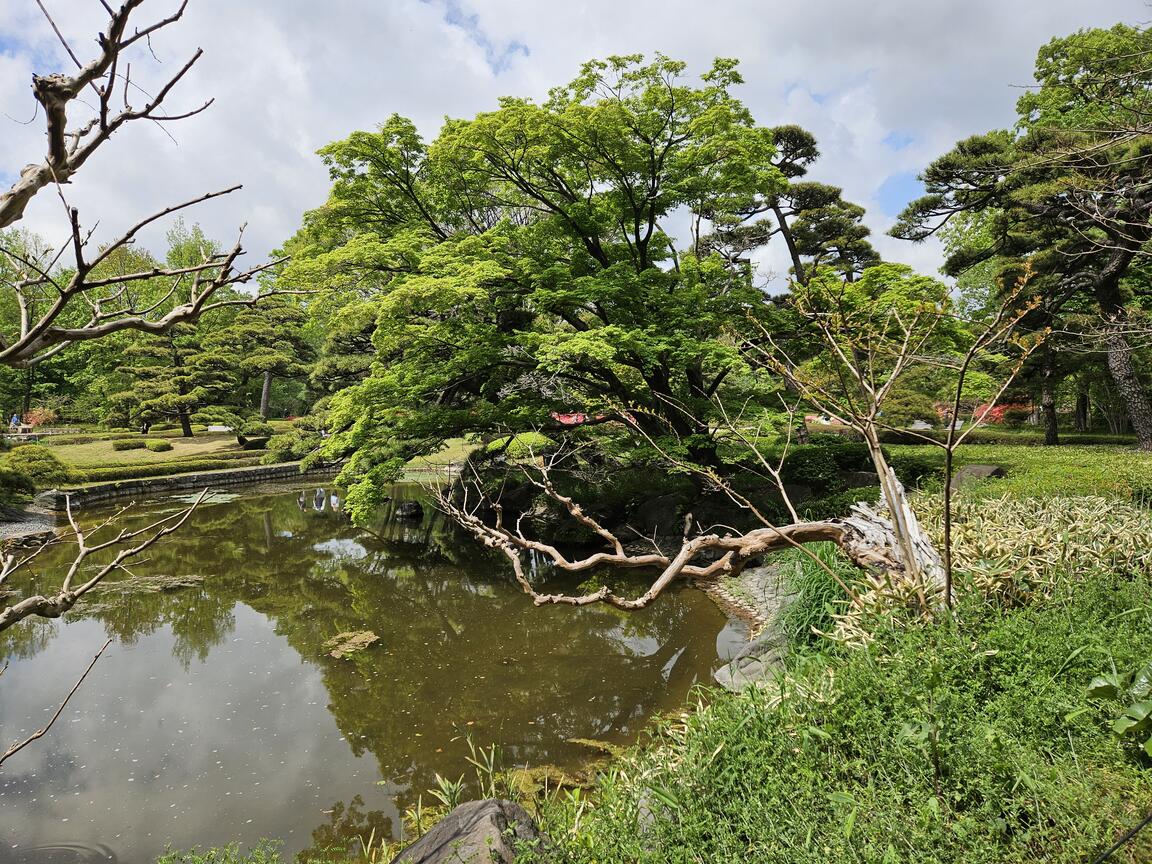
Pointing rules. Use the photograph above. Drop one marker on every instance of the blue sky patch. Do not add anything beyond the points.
(897, 190)
(897, 141)
(499, 58)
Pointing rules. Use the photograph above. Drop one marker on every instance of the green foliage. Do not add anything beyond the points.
(15, 487)
(159, 446)
(1133, 690)
(1042, 472)
(518, 265)
(956, 733)
(839, 503)
(264, 852)
(257, 429)
(817, 595)
(904, 408)
(131, 444)
(157, 469)
(37, 463)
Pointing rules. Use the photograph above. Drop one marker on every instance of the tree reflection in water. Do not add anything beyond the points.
(461, 652)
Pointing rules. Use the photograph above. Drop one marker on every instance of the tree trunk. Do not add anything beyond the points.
(185, 424)
(1129, 385)
(29, 382)
(265, 395)
(1048, 400)
(1081, 412)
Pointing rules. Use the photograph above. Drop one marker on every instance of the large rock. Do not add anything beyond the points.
(757, 664)
(479, 832)
(971, 473)
(409, 510)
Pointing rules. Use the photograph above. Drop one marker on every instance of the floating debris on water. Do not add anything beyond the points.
(345, 644)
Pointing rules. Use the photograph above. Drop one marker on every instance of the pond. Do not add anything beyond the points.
(217, 713)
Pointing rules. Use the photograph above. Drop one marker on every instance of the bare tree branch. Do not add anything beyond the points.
(39, 733)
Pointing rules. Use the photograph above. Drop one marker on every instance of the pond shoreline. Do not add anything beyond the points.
(55, 499)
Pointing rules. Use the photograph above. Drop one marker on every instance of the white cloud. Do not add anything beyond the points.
(289, 76)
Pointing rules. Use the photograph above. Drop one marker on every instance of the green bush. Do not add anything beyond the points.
(130, 444)
(839, 503)
(914, 467)
(905, 408)
(15, 488)
(39, 464)
(159, 446)
(816, 467)
(972, 740)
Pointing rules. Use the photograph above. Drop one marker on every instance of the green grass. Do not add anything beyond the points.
(95, 453)
(1033, 471)
(971, 741)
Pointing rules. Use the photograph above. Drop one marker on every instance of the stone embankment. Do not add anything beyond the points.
(83, 496)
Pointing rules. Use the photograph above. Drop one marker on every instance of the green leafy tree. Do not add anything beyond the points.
(264, 343)
(1066, 192)
(521, 265)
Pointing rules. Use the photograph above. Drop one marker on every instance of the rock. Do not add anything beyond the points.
(479, 832)
(859, 479)
(756, 664)
(972, 473)
(920, 426)
(409, 510)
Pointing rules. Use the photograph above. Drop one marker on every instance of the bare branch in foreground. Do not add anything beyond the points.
(57, 604)
(39, 733)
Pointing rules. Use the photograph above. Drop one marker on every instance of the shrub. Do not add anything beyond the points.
(816, 467)
(911, 468)
(257, 429)
(904, 409)
(15, 488)
(41, 417)
(159, 446)
(156, 469)
(37, 463)
(130, 444)
(839, 503)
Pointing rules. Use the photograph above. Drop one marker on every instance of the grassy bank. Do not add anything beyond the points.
(972, 740)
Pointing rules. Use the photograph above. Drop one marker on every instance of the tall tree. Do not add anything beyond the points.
(521, 265)
(1066, 190)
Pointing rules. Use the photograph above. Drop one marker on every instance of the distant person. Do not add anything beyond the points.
(15, 421)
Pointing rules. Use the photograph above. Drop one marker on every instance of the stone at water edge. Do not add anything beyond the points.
(479, 832)
(409, 510)
(758, 663)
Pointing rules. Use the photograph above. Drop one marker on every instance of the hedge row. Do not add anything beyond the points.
(983, 435)
(159, 469)
(130, 444)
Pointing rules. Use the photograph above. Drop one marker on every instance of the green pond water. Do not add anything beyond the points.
(217, 715)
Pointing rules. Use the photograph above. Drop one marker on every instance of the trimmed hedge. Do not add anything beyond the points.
(158, 469)
(130, 444)
(159, 446)
(39, 464)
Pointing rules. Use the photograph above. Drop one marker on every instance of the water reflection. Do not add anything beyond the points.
(218, 715)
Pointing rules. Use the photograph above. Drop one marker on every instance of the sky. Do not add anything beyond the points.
(885, 86)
